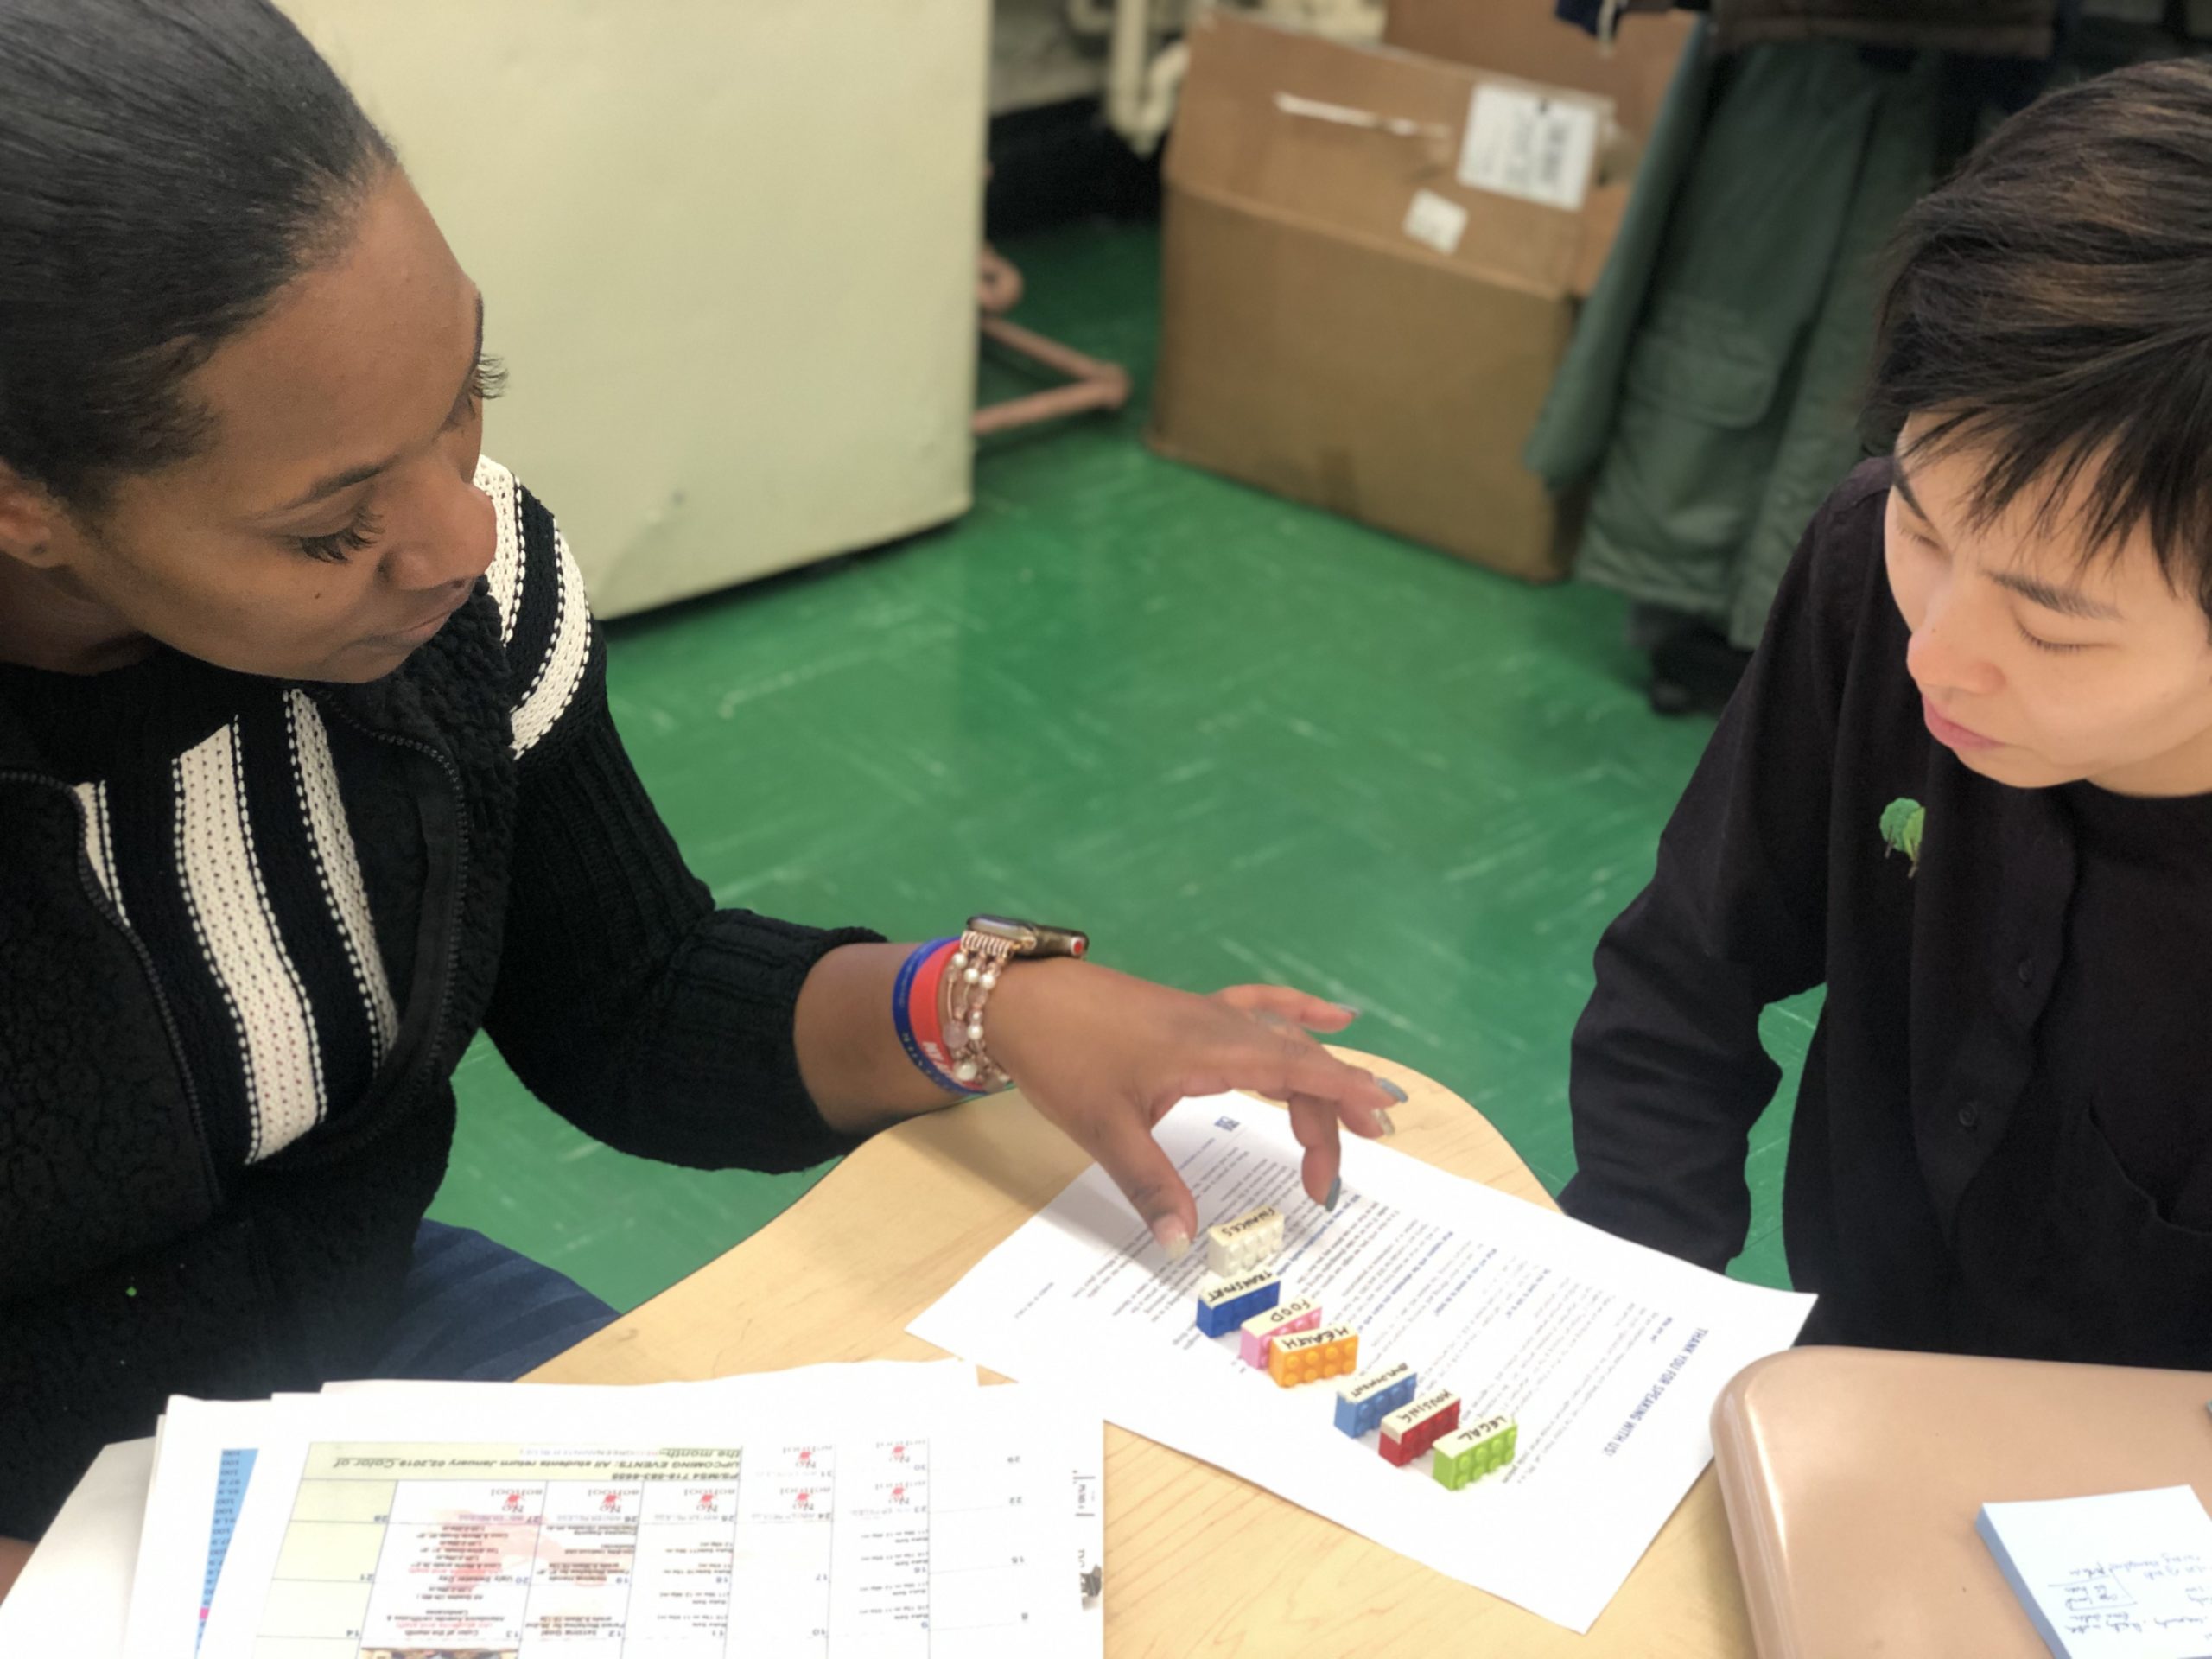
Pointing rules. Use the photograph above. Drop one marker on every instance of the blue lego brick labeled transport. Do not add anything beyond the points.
(1227, 1303)
(1363, 1402)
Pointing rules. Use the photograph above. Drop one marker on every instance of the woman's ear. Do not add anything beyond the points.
(30, 521)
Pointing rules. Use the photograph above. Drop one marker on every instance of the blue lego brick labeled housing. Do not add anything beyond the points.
(1226, 1303)
(1363, 1402)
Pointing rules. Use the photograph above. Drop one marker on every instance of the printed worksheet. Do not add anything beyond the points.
(947, 1528)
(1609, 1356)
(857, 1545)
(206, 1452)
(203, 1464)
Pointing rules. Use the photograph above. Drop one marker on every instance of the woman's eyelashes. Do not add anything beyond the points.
(487, 381)
(337, 547)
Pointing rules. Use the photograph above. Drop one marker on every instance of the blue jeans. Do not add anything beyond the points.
(473, 1311)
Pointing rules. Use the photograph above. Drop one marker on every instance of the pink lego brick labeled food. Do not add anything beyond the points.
(1301, 1314)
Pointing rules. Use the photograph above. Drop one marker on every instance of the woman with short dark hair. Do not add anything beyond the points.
(306, 774)
(1966, 785)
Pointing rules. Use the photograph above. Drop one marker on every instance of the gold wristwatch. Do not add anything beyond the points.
(986, 946)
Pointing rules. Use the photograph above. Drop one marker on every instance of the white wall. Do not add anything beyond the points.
(727, 249)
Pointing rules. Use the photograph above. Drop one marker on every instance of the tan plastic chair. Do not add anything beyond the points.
(1852, 1480)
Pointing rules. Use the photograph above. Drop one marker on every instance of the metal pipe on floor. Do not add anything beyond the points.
(1097, 385)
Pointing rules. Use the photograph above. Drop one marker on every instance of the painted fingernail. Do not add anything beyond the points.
(1173, 1236)
(1336, 1192)
(1389, 1129)
(1391, 1089)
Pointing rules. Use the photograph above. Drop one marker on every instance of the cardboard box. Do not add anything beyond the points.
(1346, 321)
(1525, 38)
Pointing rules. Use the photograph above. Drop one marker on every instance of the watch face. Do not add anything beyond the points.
(1031, 939)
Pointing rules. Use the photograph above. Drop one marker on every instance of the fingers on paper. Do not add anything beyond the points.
(1313, 1121)
(1286, 1066)
(1124, 1146)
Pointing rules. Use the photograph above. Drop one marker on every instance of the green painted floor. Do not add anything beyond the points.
(1236, 739)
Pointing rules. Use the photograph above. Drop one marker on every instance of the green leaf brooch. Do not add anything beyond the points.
(1903, 822)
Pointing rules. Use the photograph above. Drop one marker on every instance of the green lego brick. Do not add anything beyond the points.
(1466, 1455)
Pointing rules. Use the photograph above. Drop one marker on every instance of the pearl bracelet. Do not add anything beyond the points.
(969, 979)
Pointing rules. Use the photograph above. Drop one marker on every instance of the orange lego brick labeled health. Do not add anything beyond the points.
(1310, 1355)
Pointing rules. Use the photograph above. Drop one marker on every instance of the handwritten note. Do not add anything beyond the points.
(2127, 1575)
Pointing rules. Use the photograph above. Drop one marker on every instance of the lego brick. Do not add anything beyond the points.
(1226, 1305)
(1366, 1401)
(1310, 1355)
(1466, 1455)
(1245, 1242)
(1411, 1430)
(1285, 1319)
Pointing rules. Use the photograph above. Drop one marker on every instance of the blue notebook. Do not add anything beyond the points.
(2125, 1576)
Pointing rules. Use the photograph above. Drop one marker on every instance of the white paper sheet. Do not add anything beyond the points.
(171, 1591)
(856, 1382)
(1609, 1355)
(2125, 1575)
(170, 1588)
(1086, 1503)
(941, 1525)
(73, 1596)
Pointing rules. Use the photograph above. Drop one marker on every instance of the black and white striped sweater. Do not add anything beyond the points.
(247, 930)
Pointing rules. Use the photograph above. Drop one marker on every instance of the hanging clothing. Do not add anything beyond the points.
(1709, 398)
(2010, 28)
(2006, 29)
(1603, 18)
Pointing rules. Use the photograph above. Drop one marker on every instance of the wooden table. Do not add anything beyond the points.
(1196, 1561)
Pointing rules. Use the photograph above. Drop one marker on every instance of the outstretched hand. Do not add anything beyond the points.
(1104, 1055)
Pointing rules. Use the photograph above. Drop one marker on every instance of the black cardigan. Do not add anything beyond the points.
(537, 897)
